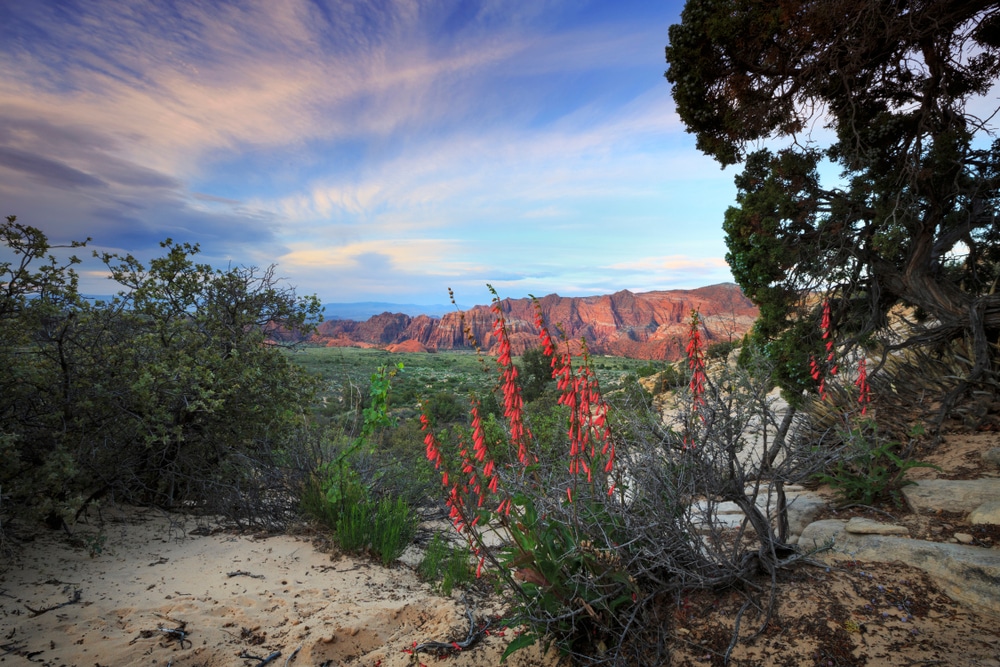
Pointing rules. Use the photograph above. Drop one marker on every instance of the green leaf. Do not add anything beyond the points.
(522, 641)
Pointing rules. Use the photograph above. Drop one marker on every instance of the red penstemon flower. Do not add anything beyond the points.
(513, 403)
(473, 483)
(828, 368)
(817, 370)
(862, 384)
(591, 447)
(696, 363)
(482, 455)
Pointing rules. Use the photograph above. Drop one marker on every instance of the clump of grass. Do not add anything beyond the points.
(394, 528)
(354, 529)
(445, 566)
(313, 503)
(385, 527)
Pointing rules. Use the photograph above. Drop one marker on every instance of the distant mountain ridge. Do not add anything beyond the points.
(645, 325)
(362, 310)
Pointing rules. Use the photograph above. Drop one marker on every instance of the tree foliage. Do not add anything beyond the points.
(168, 394)
(536, 373)
(912, 220)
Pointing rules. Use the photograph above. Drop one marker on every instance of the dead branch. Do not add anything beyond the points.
(77, 594)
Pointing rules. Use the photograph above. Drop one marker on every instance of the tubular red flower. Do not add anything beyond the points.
(696, 363)
(862, 384)
(510, 387)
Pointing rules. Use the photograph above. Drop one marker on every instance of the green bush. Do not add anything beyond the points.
(329, 491)
(869, 471)
(444, 408)
(721, 349)
(169, 394)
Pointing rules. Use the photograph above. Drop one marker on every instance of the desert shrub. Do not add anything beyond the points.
(721, 349)
(329, 492)
(386, 527)
(352, 496)
(869, 469)
(168, 394)
(535, 373)
(444, 408)
(353, 531)
(397, 469)
(598, 536)
(649, 368)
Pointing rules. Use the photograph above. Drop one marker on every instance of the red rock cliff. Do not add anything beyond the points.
(649, 325)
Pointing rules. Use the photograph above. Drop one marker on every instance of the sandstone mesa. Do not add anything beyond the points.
(645, 325)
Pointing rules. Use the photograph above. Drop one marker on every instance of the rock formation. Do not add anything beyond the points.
(648, 325)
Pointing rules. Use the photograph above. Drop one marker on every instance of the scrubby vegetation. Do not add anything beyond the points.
(606, 515)
(175, 392)
(167, 394)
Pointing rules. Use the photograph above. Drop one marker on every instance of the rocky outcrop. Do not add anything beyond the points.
(967, 573)
(648, 325)
(951, 495)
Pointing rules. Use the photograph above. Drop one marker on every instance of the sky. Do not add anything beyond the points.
(372, 150)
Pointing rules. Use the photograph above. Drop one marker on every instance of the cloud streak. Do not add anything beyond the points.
(371, 148)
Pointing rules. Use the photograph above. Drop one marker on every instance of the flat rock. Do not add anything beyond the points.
(951, 495)
(861, 526)
(988, 513)
(966, 573)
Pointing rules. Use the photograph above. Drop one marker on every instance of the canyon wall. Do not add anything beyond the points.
(646, 325)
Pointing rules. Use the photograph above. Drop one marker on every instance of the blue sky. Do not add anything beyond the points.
(374, 151)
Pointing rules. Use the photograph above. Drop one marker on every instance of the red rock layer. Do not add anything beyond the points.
(648, 325)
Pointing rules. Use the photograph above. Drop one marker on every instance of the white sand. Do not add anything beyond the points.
(153, 575)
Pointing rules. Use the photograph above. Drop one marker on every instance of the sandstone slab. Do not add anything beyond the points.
(966, 573)
(951, 495)
(861, 526)
(821, 534)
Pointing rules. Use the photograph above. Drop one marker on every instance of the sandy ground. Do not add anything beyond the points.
(153, 581)
(156, 590)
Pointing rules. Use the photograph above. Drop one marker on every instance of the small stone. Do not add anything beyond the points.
(992, 456)
(862, 526)
(820, 534)
(963, 538)
(987, 513)
(802, 511)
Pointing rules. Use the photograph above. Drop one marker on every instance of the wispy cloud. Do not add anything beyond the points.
(369, 148)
